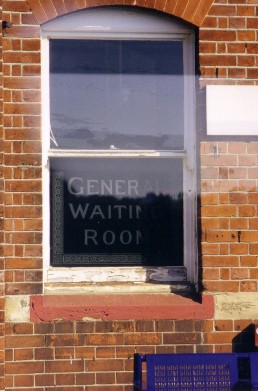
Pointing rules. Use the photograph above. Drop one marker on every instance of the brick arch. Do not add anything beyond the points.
(193, 11)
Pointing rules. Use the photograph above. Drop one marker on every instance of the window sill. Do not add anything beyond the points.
(119, 307)
(110, 275)
(116, 288)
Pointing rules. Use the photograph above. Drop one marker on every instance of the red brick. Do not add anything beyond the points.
(240, 325)
(223, 325)
(44, 380)
(28, 19)
(38, 11)
(104, 365)
(247, 211)
(123, 377)
(64, 353)
(239, 274)
(101, 352)
(23, 288)
(25, 367)
(219, 210)
(23, 381)
(224, 348)
(238, 223)
(143, 339)
(238, 198)
(246, 35)
(249, 261)
(65, 379)
(254, 249)
(185, 349)
(59, 7)
(71, 6)
(210, 274)
(144, 326)
(48, 8)
(21, 57)
(61, 340)
(184, 326)
(252, 23)
(23, 82)
(25, 31)
(236, 23)
(237, 73)
(225, 10)
(23, 354)
(85, 378)
(62, 366)
(221, 286)
(105, 378)
(181, 338)
(218, 60)
(16, 6)
(201, 12)
(63, 328)
(217, 35)
(245, 10)
(21, 328)
(248, 286)
(104, 339)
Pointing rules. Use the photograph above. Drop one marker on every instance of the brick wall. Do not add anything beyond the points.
(229, 216)
(229, 55)
(68, 356)
(97, 355)
(22, 158)
(228, 42)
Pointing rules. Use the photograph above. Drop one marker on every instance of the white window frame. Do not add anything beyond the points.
(123, 23)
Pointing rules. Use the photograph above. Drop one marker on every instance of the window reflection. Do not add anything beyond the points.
(126, 94)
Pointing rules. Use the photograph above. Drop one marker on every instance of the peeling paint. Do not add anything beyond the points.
(115, 280)
(116, 274)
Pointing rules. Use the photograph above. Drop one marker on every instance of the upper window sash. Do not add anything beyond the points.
(117, 94)
(94, 24)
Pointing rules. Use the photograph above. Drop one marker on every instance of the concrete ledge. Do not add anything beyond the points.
(242, 305)
(17, 309)
(119, 307)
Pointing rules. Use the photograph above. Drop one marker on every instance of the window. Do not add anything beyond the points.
(118, 105)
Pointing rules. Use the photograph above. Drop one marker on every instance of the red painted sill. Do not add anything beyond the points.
(119, 307)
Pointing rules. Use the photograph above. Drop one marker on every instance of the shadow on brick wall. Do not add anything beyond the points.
(241, 343)
(244, 341)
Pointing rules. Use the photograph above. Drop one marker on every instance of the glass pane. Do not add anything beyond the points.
(117, 94)
(116, 212)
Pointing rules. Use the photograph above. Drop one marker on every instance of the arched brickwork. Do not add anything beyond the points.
(193, 11)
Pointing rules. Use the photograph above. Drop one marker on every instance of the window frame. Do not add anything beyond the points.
(73, 26)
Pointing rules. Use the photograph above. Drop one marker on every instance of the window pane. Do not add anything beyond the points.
(126, 94)
(117, 211)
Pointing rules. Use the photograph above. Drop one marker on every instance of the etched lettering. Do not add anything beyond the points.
(90, 235)
(117, 187)
(109, 237)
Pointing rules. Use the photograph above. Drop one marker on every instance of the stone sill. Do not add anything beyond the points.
(90, 307)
